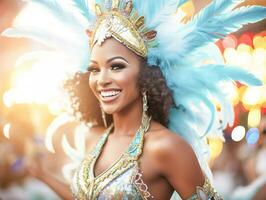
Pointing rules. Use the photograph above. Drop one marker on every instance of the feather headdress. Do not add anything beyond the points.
(180, 51)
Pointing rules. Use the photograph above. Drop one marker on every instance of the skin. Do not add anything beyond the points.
(168, 162)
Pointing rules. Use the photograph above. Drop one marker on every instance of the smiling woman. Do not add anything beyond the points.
(146, 78)
(148, 94)
(116, 82)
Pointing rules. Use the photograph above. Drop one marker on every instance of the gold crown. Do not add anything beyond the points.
(125, 25)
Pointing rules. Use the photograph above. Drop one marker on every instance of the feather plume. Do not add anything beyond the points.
(191, 36)
(237, 18)
(228, 73)
(158, 10)
(215, 8)
(59, 121)
(203, 85)
(38, 35)
(167, 8)
(57, 9)
(71, 152)
(83, 7)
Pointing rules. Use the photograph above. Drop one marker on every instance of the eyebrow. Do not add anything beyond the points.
(111, 59)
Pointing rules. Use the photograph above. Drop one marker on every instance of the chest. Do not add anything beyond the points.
(122, 180)
(119, 180)
(113, 150)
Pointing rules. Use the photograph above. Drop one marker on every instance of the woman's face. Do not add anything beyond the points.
(113, 77)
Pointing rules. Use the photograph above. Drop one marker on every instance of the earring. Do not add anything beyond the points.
(103, 117)
(145, 117)
(144, 101)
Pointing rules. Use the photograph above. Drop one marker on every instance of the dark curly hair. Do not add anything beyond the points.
(150, 79)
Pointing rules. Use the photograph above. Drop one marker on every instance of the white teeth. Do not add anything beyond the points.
(109, 93)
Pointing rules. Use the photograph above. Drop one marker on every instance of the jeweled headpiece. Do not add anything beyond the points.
(124, 24)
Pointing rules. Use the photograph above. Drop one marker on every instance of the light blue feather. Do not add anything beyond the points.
(202, 85)
(228, 73)
(239, 17)
(168, 7)
(187, 38)
(224, 24)
(215, 8)
(84, 8)
(158, 10)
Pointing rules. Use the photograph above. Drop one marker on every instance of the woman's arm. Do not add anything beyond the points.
(35, 169)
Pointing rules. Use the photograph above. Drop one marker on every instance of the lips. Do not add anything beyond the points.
(109, 95)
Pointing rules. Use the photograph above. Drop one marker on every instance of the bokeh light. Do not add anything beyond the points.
(252, 96)
(8, 98)
(253, 135)
(244, 48)
(254, 117)
(259, 42)
(216, 147)
(6, 130)
(238, 133)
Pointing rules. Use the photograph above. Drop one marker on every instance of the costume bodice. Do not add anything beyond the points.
(122, 180)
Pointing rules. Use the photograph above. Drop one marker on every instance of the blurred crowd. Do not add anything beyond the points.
(241, 169)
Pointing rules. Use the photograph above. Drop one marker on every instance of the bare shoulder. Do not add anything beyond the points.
(174, 159)
(164, 144)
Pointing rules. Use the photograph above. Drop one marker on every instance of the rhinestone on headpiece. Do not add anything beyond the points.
(124, 24)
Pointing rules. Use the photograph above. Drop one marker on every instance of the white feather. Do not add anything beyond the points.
(56, 123)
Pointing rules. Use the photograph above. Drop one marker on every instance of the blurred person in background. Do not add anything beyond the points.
(16, 152)
(227, 168)
(254, 169)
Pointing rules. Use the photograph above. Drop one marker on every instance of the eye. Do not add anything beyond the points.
(93, 69)
(117, 66)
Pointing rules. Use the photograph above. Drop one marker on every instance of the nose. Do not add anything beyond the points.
(104, 78)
